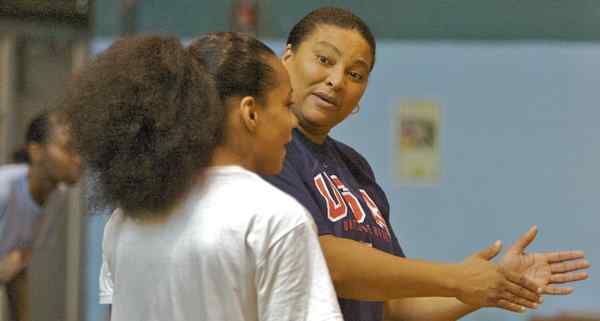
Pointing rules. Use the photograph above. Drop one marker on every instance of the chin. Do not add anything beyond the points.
(71, 181)
(316, 118)
(278, 170)
(271, 170)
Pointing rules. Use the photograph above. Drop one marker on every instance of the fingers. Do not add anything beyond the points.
(506, 305)
(521, 295)
(569, 266)
(568, 277)
(555, 257)
(516, 299)
(522, 243)
(15, 257)
(523, 282)
(21, 257)
(552, 290)
(490, 252)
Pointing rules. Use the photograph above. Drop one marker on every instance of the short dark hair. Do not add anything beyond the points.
(145, 117)
(38, 132)
(332, 16)
(237, 62)
(20, 156)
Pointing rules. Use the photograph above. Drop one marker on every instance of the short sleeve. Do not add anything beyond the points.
(106, 279)
(8, 175)
(293, 282)
(106, 283)
(298, 183)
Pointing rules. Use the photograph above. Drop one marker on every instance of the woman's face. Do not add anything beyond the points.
(329, 72)
(58, 156)
(274, 124)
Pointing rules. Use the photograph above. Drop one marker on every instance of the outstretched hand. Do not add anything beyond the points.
(484, 284)
(546, 269)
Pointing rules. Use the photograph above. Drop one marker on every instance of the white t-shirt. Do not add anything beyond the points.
(237, 249)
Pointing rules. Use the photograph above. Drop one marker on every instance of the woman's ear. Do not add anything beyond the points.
(249, 113)
(287, 55)
(35, 151)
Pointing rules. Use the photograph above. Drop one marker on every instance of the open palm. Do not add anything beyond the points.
(546, 269)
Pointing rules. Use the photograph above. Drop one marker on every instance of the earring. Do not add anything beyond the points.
(356, 109)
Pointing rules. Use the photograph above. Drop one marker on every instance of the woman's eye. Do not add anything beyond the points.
(323, 60)
(355, 75)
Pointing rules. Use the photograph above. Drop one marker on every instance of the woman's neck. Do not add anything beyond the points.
(314, 136)
(40, 185)
(225, 156)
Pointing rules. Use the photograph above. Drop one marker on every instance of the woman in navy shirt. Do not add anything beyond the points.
(329, 56)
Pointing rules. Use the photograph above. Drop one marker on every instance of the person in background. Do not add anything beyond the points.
(329, 56)
(28, 192)
(19, 156)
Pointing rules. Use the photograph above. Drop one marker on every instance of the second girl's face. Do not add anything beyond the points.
(276, 121)
(329, 72)
(59, 159)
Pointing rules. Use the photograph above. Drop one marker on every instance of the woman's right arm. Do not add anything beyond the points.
(363, 273)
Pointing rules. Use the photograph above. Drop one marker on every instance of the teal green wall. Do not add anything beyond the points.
(573, 20)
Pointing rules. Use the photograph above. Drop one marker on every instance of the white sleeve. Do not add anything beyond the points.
(106, 280)
(293, 281)
(106, 283)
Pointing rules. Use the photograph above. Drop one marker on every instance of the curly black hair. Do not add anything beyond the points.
(146, 119)
(331, 16)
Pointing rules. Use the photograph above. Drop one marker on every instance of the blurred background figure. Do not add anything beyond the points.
(41, 42)
(244, 16)
(29, 195)
(19, 156)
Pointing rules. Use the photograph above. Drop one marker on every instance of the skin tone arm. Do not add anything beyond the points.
(545, 269)
(11, 264)
(20, 287)
(432, 309)
(361, 272)
(13, 272)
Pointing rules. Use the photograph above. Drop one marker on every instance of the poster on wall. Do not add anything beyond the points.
(417, 143)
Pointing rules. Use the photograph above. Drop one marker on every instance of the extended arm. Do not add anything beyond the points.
(545, 269)
(363, 273)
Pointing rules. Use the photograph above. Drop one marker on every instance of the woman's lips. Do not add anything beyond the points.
(325, 101)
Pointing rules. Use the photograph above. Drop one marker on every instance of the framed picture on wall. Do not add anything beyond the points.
(417, 142)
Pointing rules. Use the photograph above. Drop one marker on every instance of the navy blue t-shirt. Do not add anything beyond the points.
(337, 186)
